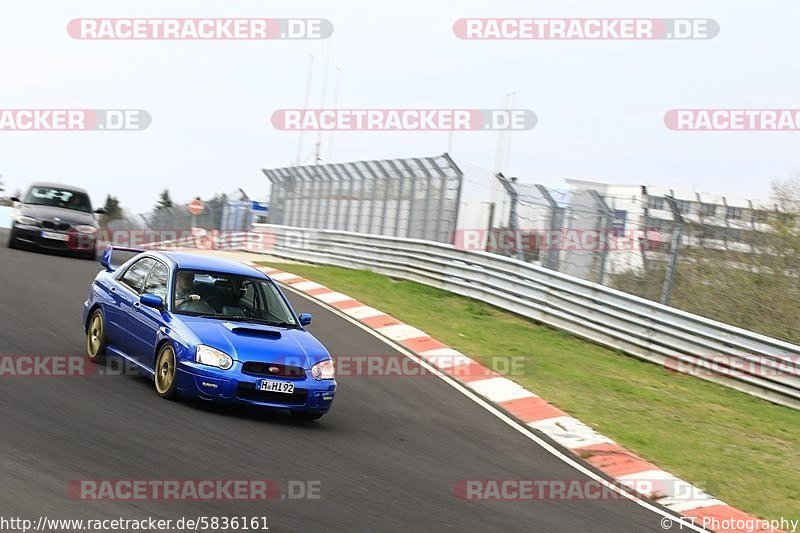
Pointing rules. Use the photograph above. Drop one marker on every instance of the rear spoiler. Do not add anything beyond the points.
(105, 259)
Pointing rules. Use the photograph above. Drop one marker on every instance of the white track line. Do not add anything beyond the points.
(679, 521)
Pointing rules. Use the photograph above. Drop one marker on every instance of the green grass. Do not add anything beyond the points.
(742, 450)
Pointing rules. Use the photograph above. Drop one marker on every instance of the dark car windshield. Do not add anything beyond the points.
(58, 197)
(231, 297)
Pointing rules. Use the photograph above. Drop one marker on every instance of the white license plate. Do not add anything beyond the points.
(271, 385)
(55, 236)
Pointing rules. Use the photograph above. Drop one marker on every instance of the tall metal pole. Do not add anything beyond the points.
(556, 224)
(318, 145)
(329, 156)
(513, 219)
(672, 266)
(305, 107)
(606, 215)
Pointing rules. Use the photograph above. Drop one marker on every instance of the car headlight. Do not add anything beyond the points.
(206, 355)
(25, 221)
(89, 230)
(323, 370)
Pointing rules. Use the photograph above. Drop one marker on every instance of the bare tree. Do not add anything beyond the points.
(786, 194)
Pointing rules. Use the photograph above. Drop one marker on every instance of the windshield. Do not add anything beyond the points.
(230, 297)
(57, 197)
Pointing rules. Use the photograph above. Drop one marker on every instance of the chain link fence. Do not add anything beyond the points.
(729, 260)
(415, 198)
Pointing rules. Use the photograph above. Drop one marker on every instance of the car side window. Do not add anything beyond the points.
(157, 280)
(248, 295)
(273, 306)
(136, 274)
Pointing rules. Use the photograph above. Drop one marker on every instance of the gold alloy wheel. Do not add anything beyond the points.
(94, 339)
(165, 370)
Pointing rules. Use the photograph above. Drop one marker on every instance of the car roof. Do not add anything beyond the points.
(59, 186)
(195, 261)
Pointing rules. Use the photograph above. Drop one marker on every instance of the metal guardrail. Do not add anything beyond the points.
(749, 362)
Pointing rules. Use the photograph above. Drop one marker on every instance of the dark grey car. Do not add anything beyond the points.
(55, 217)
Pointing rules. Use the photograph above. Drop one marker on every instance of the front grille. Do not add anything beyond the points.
(54, 245)
(283, 371)
(248, 391)
(60, 226)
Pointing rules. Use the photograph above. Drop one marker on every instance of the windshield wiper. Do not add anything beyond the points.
(272, 323)
(240, 318)
(281, 324)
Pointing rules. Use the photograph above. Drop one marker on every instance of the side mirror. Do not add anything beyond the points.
(305, 319)
(100, 211)
(14, 199)
(151, 300)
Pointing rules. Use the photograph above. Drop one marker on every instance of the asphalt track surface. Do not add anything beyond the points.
(386, 456)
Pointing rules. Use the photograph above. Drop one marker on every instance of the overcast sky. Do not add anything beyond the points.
(600, 105)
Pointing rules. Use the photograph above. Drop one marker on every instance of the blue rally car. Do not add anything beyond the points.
(208, 328)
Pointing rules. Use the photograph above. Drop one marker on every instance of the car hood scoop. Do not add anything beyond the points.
(253, 330)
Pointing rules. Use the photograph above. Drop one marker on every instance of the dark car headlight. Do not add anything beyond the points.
(206, 355)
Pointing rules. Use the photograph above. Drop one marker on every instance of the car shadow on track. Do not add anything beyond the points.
(54, 253)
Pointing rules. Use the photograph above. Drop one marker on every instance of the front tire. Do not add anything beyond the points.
(166, 381)
(96, 337)
(89, 256)
(12, 240)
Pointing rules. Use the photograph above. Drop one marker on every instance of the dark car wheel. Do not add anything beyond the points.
(91, 256)
(307, 415)
(165, 378)
(12, 240)
(96, 337)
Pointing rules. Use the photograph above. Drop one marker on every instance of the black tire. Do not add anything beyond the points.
(307, 415)
(96, 337)
(12, 240)
(165, 380)
(89, 256)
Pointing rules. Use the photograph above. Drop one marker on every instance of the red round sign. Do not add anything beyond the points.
(195, 206)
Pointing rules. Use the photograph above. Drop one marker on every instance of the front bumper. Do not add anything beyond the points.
(73, 241)
(234, 386)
